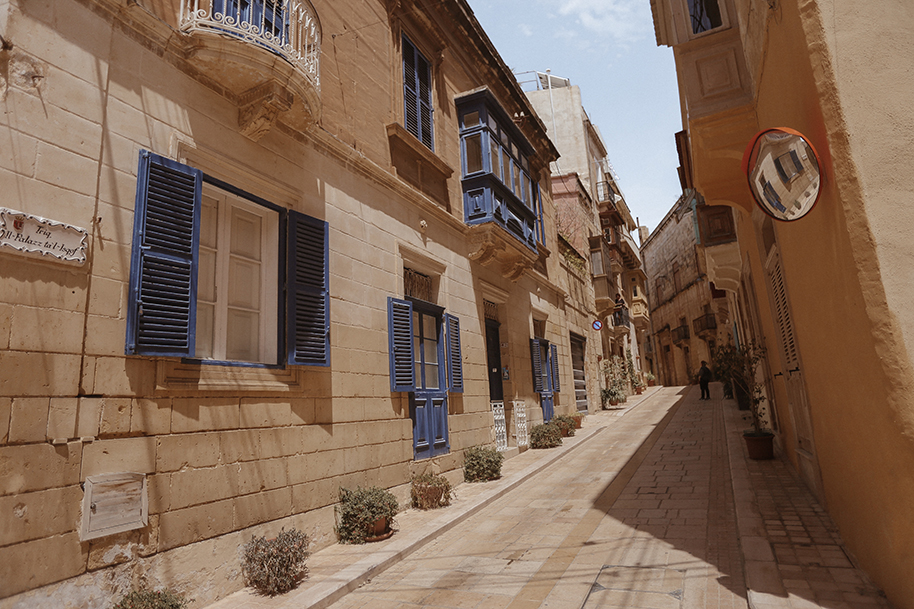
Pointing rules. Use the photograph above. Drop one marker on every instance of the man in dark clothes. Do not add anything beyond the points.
(704, 377)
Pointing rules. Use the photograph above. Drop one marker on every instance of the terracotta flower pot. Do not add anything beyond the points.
(577, 422)
(760, 445)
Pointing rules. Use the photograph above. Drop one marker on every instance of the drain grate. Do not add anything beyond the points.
(636, 587)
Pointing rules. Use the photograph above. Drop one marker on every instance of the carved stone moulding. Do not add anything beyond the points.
(266, 87)
(491, 244)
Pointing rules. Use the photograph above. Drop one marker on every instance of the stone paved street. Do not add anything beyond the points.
(638, 510)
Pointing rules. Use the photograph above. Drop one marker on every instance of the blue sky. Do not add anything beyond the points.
(628, 83)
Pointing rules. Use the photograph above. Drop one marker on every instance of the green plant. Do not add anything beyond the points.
(650, 376)
(481, 463)
(630, 366)
(274, 566)
(152, 599)
(429, 491)
(546, 435)
(565, 424)
(738, 366)
(359, 510)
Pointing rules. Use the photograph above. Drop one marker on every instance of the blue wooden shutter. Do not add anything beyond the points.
(417, 94)
(554, 362)
(162, 299)
(536, 357)
(308, 306)
(454, 359)
(400, 343)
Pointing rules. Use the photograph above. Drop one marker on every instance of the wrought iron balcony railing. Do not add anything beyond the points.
(288, 28)
(680, 334)
(704, 323)
(620, 318)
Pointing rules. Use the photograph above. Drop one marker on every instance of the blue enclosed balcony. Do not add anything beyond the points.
(501, 201)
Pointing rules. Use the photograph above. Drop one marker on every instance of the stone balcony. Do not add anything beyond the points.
(264, 52)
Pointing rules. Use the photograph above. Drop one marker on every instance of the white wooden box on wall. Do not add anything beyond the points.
(114, 503)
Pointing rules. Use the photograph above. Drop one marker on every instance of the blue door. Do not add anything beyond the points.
(545, 374)
(428, 403)
(425, 360)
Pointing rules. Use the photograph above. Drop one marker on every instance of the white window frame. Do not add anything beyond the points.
(268, 328)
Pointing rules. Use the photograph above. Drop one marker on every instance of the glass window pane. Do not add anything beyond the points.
(596, 261)
(431, 351)
(705, 15)
(431, 376)
(495, 155)
(245, 234)
(243, 336)
(506, 167)
(523, 186)
(474, 153)
(492, 124)
(517, 180)
(471, 119)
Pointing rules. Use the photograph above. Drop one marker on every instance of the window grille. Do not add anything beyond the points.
(417, 285)
(491, 310)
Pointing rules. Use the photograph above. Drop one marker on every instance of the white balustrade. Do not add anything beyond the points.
(520, 423)
(501, 428)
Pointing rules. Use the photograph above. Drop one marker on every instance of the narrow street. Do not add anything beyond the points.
(639, 511)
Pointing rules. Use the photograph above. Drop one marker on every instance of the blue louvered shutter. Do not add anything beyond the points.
(454, 358)
(536, 357)
(162, 299)
(400, 343)
(417, 94)
(308, 319)
(554, 362)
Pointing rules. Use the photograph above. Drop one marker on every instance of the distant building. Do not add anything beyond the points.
(689, 315)
(593, 220)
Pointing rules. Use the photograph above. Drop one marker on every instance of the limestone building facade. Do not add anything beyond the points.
(689, 315)
(253, 252)
(828, 293)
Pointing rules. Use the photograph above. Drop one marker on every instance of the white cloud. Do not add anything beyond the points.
(623, 20)
(525, 29)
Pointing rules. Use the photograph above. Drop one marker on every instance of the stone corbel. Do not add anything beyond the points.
(260, 106)
(485, 247)
(514, 269)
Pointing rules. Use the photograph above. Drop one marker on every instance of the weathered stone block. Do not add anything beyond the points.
(187, 450)
(158, 489)
(36, 467)
(124, 376)
(106, 297)
(62, 418)
(121, 455)
(314, 495)
(37, 563)
(6, 406)
(262, 507)
(264, 475)
(182, 527)
(265, 413)
(115, 416)
(242, 445)
(29, 420)
(28, 374)
(63, 168)
(88, 418)
(151, 417)
(40, 514)
(6, 320)
(105, 335)
(204, 414)
(195, 486)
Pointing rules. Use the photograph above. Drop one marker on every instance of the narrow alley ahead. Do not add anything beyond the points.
(639, 511)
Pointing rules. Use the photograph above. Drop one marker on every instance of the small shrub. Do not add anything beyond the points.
(359, 510)
(546, 435)
(565, 424)
(429, 491)
(482, 463)
(152, 599)
(274, 566)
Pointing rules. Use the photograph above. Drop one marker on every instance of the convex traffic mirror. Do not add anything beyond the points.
(783, 172)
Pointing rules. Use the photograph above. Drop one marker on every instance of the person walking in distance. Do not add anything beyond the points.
(704, 377)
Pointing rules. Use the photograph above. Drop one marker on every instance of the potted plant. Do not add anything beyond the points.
(365, 514)
(429, 491)
(759, 439)
(578, 419)
(650, 379)
(482, 463)
(565, 424)
(546, 435)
